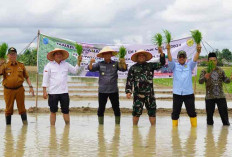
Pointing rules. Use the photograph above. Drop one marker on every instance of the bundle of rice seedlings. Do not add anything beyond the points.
(122, 52)
(196, 35)
(167, 36)
(157, 39)
(210, 67)
(3, 49)
(79, 49)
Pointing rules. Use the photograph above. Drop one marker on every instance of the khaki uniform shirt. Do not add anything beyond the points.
(13, 74)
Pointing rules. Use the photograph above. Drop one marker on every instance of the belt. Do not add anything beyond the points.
(13, 88)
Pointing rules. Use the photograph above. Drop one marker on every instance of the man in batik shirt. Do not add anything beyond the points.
(214, 91)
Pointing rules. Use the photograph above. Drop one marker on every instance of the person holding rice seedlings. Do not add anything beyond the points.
(14, 73)
(214, 77)
(182, 82)
(108, 81)
(140, 83)
(55, 78)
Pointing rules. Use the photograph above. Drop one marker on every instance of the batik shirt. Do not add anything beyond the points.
(214, 87)
(140, 77)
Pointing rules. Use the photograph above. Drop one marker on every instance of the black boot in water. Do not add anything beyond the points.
(24, 118)
(8, 120)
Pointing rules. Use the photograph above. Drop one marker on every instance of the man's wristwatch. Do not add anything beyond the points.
(30, 86)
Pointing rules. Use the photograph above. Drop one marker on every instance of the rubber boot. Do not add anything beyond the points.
(174, 123)
(193, 121)
(24, 118)
(8, 120)
(101, 120)
(117, 119)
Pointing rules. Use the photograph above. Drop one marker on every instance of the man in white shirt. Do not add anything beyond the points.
(55, 78)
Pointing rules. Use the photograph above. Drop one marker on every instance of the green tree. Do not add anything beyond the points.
(226, 54)
(29, 57)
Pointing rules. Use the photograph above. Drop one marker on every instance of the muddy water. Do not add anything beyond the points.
(85, 138)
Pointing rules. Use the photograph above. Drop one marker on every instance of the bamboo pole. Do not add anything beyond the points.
(37, 73)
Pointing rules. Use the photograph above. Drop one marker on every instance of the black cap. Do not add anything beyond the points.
(12, 49)
(212, 54)
(181, 53)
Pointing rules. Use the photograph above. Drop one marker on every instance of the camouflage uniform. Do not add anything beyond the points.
(140, 77)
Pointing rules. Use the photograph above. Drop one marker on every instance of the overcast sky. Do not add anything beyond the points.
(115, 21)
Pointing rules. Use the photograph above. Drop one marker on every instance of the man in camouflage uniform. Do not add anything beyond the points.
(214, 91)
(140, 77)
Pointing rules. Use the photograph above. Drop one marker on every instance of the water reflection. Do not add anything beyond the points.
(114, 147)
(64, 146)
(101, 141)
(140, 148)
(190, 145)
(176, 143)
(189, 148)
(53, 141)
(9, 142)
(151, 142)
(213, 148)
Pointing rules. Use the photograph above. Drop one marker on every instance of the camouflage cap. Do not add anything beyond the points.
(181, 53)
(12, 49)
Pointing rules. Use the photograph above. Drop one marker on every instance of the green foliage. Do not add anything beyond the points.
(29, 57)
(79, 49)
(157, 39)
(122, 52)
(226, 54)
(196, 35)
(210, 67)
(3, 49)
(167, 36)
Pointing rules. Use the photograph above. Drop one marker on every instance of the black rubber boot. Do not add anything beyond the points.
(24, 118)
(101, 120)
(8, 120)
(117, 119)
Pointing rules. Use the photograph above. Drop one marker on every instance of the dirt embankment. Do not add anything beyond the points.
(160, 111)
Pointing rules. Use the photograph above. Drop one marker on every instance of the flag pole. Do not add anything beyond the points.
(37, 72)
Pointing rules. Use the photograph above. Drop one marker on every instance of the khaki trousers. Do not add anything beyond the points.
(10, 95)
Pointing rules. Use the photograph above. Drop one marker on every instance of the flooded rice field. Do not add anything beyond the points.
(84, 137)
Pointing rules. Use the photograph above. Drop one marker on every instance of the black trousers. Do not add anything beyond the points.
(189, 101)
(222, 108)
(102, 100)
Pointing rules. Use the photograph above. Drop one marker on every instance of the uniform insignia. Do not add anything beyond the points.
(185, 66)
(103, 73)
(113, 65)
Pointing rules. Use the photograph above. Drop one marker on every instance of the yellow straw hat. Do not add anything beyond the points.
(50, 55)
(106, 49)
(134, 57)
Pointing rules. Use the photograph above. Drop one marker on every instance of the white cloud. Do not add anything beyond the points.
(197, 11)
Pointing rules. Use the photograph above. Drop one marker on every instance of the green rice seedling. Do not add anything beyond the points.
(122, 52)
(79, 49)
(196, 35)
(167, 36)
(158, 39)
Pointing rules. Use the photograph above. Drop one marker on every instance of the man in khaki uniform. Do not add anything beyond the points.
(14, 73)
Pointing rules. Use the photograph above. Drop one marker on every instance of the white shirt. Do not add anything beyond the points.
(55, 76)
